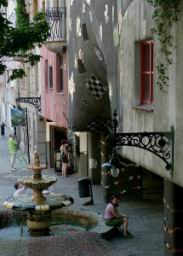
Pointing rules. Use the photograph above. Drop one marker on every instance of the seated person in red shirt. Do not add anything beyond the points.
(114, 218)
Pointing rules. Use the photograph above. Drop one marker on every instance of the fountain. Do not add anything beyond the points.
(38, 206)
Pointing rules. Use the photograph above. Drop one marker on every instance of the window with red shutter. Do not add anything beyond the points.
(146, 72)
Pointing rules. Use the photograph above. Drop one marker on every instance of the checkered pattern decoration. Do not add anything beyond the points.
(96, 126)
(96, 87)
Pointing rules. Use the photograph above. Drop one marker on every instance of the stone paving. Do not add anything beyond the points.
(146, 220)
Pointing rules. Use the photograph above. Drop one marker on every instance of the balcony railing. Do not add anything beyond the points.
(56, 18)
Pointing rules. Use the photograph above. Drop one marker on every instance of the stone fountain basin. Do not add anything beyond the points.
(24, 203)
(89, 221)
(38, 184)
(39, 167)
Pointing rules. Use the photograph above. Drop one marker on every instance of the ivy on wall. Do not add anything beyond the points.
(165, 15)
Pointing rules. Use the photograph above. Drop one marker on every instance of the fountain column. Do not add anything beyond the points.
(38, 206)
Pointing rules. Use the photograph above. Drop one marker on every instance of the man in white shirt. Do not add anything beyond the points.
(20, 190)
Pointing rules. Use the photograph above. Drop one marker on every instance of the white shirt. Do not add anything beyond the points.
(20, 191)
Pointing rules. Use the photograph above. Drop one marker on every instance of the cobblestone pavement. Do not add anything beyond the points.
(146, 220)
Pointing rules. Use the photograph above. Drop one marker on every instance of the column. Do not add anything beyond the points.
(173, 220)
(94, 156)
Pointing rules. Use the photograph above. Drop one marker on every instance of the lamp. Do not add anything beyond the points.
(114, 171)
(113, 164)
(110, 176)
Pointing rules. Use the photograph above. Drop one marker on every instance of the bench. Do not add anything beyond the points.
(106, 232)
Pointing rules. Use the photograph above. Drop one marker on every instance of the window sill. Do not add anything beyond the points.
(48, 90)
(147, 108)
(60, 93)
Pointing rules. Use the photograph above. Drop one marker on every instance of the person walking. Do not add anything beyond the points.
(64, 157)
(12, 146)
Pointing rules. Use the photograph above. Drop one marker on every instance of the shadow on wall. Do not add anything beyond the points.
(90, 104)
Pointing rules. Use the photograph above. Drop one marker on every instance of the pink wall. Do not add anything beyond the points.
(53, 103)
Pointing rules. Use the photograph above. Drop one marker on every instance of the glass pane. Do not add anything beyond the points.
(60, 74)
(152, 57)
(50, 77)
(58, 164)
(58, 156)
(46, 74)
(61, 79)
(146, 57)
(146, 89)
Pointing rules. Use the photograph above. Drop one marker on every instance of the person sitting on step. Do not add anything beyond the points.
(114, 218)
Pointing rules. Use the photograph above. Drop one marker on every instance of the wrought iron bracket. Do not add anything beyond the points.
(159, 143)
(36, 101)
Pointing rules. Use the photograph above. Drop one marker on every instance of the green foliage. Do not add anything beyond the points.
(33, 59)
(165, 16)
(22, 18)
(2, 68)
(17, 73)
(3, 3)
(19, 41)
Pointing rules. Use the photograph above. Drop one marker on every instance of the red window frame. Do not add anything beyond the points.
(146, 72)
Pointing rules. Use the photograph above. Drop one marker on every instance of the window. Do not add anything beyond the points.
(50, 77)
(146, 72)
(43, 6)
(60, 73)
(46, 74)
(28, 81)
(35, 6)
(84, 32)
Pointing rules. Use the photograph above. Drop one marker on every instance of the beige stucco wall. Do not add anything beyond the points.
(176, 100)
(167, 107)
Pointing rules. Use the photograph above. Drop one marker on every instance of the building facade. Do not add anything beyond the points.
(102, 56)
(112, 42)
(146, 107)
(55, 78)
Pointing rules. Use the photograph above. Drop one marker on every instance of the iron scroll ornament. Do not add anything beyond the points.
(36, 101)
(159, 143)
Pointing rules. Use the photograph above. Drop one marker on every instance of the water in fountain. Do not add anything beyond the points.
(37, 205)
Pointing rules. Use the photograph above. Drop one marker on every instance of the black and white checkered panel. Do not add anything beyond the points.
(96, 87)
(96, 126)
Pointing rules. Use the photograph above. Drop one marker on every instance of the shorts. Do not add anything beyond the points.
(115, 222)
